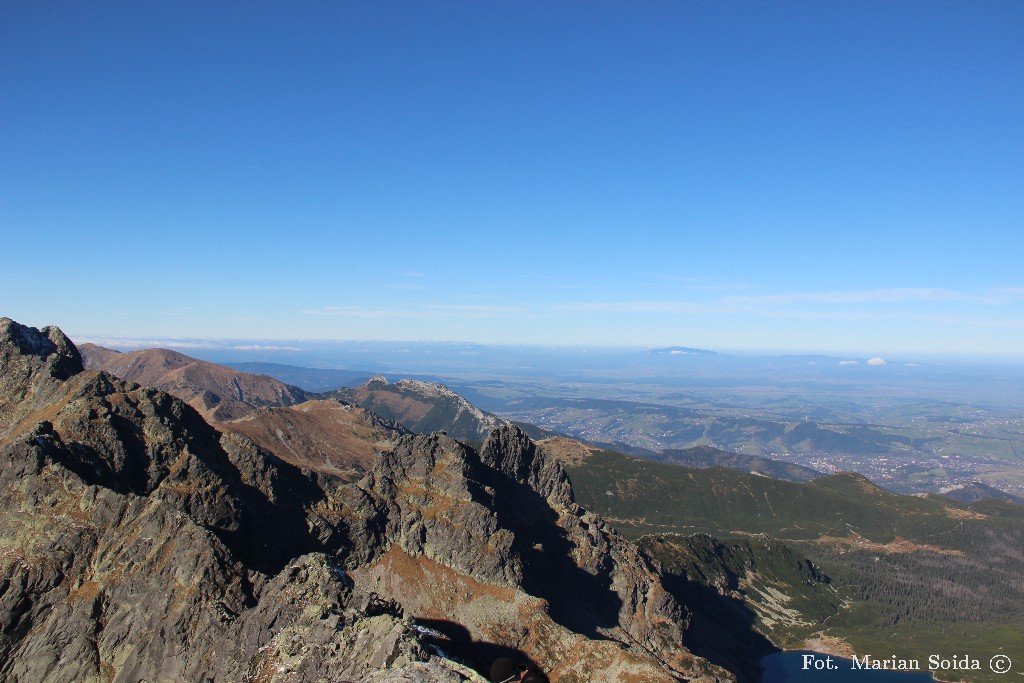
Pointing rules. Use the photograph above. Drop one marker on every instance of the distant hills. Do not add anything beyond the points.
(707, 456)
(216, 391)
(660, 426)
(976, 491)
(681, 351)
(425, 406)
(310, 379)
(327, 435)
(896, 424)
(835, 564)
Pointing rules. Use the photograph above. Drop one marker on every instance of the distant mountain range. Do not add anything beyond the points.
(425, 406)
(310, 379)
(976, 491)
(681, 351)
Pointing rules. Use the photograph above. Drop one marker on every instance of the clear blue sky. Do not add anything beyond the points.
(821, 176)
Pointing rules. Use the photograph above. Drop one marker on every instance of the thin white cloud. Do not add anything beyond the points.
(429, 311)
(999, 324)
(473, 311)
(358, 312)
(1002, 295)
(848, 362)
(125, 343)
(788, 304)
(876, 361)
(131, 343)
(667, 307)
(852, 297)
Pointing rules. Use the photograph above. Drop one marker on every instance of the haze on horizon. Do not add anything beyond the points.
(836, 178)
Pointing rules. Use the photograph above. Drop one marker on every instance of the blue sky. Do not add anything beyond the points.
(819, 176)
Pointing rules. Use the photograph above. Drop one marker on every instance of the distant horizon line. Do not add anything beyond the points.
(279, 345)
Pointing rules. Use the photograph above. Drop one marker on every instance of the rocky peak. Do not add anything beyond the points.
(33, 365)
(423, 407)
(427, 496)
(435, 389)
(440, 392)
(509, 450)
(60, 357)
(505, 517)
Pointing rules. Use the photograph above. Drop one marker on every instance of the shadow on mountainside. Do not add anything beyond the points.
(252, 501)
(457, 643)
(721, 629)
(578, 600)
(275, 528)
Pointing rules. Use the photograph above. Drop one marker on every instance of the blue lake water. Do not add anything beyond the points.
(788, 667)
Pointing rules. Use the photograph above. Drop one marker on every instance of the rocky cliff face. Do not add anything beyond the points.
(139, 543)
(542, 575)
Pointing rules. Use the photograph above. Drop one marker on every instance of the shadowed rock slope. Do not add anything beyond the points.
(139, 543)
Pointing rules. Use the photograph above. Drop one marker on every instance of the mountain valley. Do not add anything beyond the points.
(912, 428)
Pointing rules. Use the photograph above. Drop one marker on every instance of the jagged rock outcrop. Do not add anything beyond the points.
(139, 543)
(33, 363)
(542, 575)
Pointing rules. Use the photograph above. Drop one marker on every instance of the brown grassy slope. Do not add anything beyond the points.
(216, 391)
(326, 436)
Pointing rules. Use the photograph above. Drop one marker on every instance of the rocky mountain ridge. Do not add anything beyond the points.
(139, 543)
(327, 435)
(423, 407)
(219, 392)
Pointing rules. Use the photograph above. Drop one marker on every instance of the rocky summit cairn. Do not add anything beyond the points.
(139, 543)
